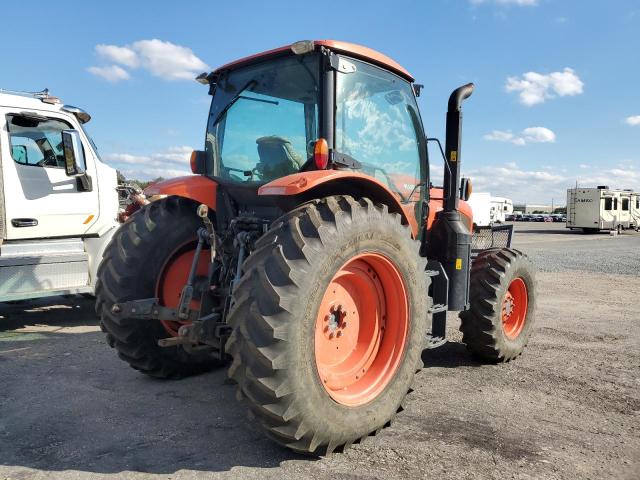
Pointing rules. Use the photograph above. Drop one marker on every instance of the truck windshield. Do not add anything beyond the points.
(264, 119)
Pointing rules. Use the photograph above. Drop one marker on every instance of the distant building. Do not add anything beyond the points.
(532, 208)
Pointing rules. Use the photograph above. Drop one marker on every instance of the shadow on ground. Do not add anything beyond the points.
(69, 403)
(449, 355)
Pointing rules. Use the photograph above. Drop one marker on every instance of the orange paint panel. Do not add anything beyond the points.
(198, 188)
(436, 202)
(89, 218)
(352, 49)
(298, 183)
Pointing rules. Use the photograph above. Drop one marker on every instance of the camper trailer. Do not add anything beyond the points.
(602, 208)
(481, 206)
(500, 207)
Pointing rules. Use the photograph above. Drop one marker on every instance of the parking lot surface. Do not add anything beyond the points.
(569, 407)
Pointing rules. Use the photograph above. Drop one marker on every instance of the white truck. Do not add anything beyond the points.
(480, 204)
(602, 208)
(58, 200)
(500, 208)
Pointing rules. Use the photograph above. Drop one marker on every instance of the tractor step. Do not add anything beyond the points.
(434, 342)
(438, 308)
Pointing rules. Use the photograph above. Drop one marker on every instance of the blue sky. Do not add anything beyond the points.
(558, 82)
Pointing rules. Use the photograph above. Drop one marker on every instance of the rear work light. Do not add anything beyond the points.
(302, 47)
(321, 154)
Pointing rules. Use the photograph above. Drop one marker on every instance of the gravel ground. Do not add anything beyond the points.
(569, 407)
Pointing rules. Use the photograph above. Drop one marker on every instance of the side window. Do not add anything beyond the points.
(377, 123)
(615, 203)
(625, 204)
(608, 201)
(36, 141)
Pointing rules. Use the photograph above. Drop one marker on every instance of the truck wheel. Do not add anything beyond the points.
(150, 256)
(502, 294)
(329, 322)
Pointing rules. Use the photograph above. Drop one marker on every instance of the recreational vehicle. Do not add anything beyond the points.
(602, 208)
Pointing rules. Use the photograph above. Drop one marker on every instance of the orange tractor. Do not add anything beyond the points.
(311, 251)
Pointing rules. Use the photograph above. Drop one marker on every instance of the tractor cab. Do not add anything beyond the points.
(317, 106)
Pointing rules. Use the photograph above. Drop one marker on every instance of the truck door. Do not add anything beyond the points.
(41, 201)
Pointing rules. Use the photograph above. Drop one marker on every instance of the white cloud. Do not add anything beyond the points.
(540, 186)
(527, 136)
(122, 55)
(535, 87)
(633, 120)
(584, 165)
(520, 3)
(173, 162)
(162, 59)
(167, 60)
(111, 73)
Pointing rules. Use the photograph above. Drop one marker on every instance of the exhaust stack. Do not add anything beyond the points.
(451, 238)
(452, 146)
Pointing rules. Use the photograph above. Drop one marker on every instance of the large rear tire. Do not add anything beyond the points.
(333, 273)
(150, 256)
(500, 321)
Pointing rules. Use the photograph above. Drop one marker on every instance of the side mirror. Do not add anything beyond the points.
(465, 189)
(74, 162)
(198, 162)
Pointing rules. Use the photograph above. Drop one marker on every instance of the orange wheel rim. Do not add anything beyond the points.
(514, 308)
(361, 329)
(173, 279)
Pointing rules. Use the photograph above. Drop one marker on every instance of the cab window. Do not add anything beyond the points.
(377, 123)
(264, 120)
(36, 140)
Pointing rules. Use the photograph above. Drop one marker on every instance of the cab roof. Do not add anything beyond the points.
(357, 51)
(41, 101)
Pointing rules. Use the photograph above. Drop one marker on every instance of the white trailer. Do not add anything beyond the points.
(58, 201)
(601, 208)
(500, 207)
(480, 204)
(635, 210)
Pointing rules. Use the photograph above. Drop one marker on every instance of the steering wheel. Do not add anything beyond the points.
(48, 161)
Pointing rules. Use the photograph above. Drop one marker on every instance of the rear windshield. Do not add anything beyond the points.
(264, 120)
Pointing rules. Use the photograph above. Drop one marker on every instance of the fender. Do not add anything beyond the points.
(194, 187)
(305, 186)
(436, 202)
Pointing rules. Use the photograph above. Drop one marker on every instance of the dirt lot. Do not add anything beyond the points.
(568, 408)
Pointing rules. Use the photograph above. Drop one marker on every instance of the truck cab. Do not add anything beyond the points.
(55, 217)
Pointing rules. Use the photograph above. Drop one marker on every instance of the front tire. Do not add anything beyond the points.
(319, 279)
(500, 320)
(149, 256)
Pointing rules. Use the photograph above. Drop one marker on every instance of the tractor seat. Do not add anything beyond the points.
(277, 157)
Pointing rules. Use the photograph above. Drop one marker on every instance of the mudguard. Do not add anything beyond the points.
(305, 186)
(436, 202)
(195, 187)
